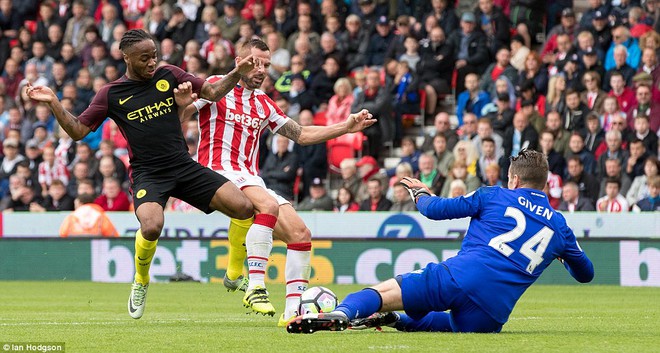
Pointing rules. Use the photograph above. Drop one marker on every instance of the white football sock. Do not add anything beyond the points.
(259, 242)
(297, 272)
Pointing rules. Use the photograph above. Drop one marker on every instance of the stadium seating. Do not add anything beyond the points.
(346, 146)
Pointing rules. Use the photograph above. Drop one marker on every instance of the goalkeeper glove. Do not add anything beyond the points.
(415, 188)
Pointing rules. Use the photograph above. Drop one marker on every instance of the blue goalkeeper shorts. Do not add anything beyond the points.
(427, 293)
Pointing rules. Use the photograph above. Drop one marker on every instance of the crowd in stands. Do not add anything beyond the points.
(583, 88)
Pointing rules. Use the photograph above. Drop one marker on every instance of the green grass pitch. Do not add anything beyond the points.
(194, 317)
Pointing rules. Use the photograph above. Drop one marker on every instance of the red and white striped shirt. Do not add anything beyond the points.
(619, 204)
(554, 189)
(230, 128)
(48, 173)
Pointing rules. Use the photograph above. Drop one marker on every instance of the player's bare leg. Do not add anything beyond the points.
(229, 200)
(259, 243)
(390, 293)
(150, 215)
(292, 230)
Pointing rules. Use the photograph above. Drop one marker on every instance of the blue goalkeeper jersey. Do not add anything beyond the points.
(512, 237)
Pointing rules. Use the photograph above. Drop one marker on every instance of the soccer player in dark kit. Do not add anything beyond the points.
(143, 105)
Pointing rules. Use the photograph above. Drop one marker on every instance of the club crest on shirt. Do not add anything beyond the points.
(163, 85)
(260, 110)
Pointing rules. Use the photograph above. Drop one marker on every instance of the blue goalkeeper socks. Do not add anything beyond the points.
(361, 304)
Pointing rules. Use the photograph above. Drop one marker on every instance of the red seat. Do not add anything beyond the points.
(342, 147)
(337, 153)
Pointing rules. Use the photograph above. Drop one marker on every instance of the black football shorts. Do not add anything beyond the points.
(186, 180)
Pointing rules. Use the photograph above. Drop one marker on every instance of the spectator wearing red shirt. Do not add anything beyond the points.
(12, 77)
(624, 95)
(133, 11)
(502, 66)
(113, 197)
(552, 50)
(645, 106)
(636, 22)
(268, 5)
(345, 201)
(216, 38)
(376, 200)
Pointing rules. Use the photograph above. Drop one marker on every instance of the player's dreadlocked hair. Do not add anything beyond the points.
(532, 168)
(133, 37)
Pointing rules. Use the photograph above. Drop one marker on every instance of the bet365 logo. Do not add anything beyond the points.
(243, 119)
(400, 226)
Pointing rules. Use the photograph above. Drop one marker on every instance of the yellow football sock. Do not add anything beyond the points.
(237, 232)
(144, 253)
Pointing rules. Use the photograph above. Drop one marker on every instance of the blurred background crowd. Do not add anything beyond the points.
(457, 87)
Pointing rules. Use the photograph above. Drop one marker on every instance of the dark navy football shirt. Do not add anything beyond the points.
(146, 114)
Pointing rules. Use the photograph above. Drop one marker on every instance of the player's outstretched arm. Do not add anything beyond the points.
(438, 208)
(576, 261)
(309, 135)
(216, 90)
(582, 270)
(70, 123)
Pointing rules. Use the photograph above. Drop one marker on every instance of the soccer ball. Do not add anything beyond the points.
(317, 300)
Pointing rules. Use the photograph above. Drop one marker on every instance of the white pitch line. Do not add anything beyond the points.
(121, 322)
(382, 348)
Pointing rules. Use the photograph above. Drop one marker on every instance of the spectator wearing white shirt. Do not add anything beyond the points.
(613, 201)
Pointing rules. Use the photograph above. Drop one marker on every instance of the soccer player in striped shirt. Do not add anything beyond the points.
(229, 144)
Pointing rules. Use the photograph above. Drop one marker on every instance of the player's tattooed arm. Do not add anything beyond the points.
(216, 90)
(70, 123)
(291, 130)
(309, 135)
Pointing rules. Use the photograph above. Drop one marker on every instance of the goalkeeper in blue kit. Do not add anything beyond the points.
(514, 234)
